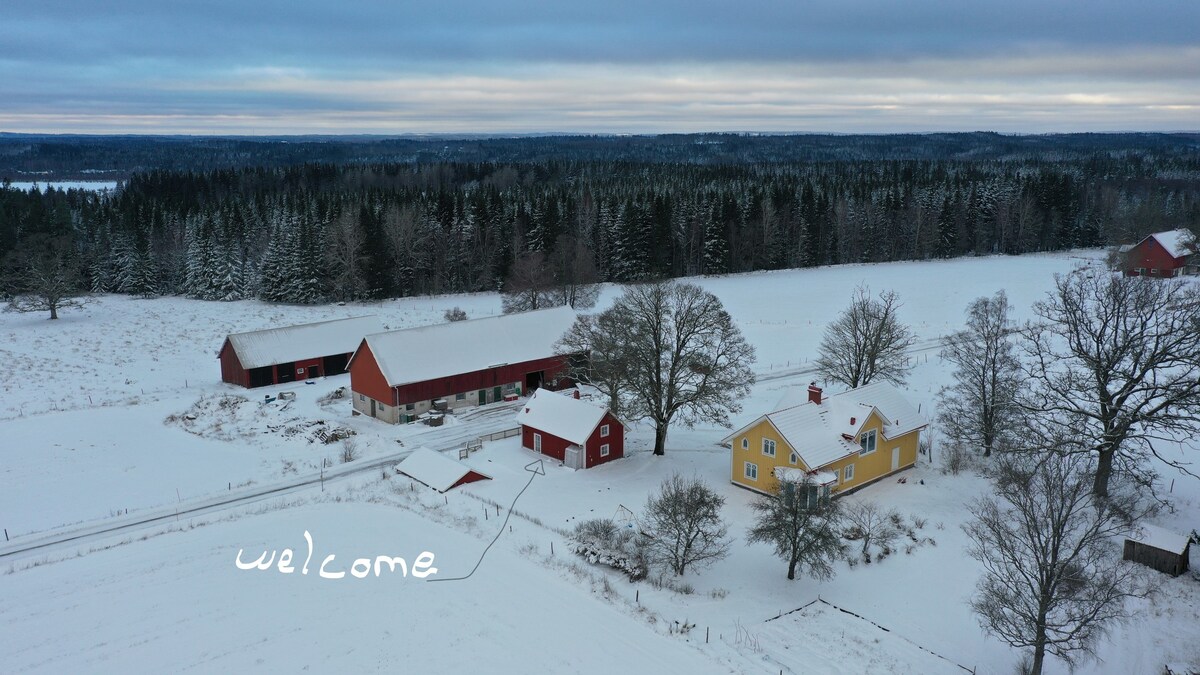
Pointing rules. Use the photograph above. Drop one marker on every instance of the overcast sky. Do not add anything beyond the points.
(499, 66)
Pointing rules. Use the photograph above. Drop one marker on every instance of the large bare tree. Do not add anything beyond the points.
(1052, 579)
(529, 284)
(867, 342)
(676, 356)
(980, 408)
(573, 268)
(1116, 361)
(45, 277)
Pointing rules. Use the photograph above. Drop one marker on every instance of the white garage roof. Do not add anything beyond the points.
(434, 469)
(311, 340)
(563, 416)
(446, 349)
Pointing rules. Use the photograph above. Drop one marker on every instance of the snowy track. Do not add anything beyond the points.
(472, 424)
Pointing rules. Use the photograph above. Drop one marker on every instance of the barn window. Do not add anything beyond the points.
(460, 397)
(604, 431)
(1153, 270)
(768, 447)
(848, 473)
(409, 406)
(604, 450)
(867, 441)
(361, 397)
(751, 471)
(537, 442)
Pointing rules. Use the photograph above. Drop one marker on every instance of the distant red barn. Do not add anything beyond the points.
(276, 355)
(399, 375)
(577, 433)
(1162, 254)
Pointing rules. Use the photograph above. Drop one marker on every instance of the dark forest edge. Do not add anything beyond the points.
(318, 220)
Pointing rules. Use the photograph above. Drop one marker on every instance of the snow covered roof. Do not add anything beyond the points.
(434, 469)
(1159, 538)
(793, 475)
(1179, 243)
(259, 348)
(825, 432)
(445, 349)
(563, 416)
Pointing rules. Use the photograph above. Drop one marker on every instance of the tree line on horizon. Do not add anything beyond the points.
(326, 232)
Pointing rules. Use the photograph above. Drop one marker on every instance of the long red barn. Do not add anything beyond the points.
(399, 375)
(277, 355)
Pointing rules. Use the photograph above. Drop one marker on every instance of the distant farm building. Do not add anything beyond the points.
(400, 375)
(277, 355)
(1160, 549)
(435, 470)
(1162, 254)
(577, 433)
(844, 441)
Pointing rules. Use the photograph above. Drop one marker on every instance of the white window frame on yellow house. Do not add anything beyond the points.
(750, 468)
(868, 438)
(848, 473)
(794, 458)
(745, 443)
(768, 443)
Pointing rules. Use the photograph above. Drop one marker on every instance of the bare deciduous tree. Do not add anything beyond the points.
(682, 357)
(44, 279)
(346, 257)
(1116, 361)
(867, 342)
(685, 526)
(573, 267)
(1052, 580)
(980, 407)
(873, 525)
(802, 523)
(455, 314)
(597, 355)
(529, 284)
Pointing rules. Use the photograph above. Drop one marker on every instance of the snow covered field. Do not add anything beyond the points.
(103, 427)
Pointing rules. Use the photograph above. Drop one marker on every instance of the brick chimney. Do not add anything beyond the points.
(814, 393)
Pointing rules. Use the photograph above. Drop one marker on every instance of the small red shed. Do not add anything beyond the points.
(438, 471)
(1162, 254)
(276, 355)
(577, 433)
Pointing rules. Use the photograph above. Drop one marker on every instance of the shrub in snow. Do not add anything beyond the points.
(349, 451)
(455, 314)
(602, 541)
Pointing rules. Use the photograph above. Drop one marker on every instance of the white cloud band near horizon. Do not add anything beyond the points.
(1034, 69)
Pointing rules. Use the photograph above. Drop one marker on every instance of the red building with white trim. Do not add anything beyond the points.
(278, 355)
(399, 375)
(577, 433)
(1162, 254)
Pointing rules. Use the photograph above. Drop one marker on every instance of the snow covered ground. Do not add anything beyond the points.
(125, 412)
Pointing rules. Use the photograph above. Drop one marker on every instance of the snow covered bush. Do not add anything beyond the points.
(602, 541)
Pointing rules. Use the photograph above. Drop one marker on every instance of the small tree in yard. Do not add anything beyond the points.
(1116, 361)
(668, 352)
(980, 408)
(801, 522)
(872, 525)
(867, 342)
(44, 279)
(685, 526)
(1053, 580)
(455, 314)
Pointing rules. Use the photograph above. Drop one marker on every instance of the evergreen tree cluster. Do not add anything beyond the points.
(317, 232)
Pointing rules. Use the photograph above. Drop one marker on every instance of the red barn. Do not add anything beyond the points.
(1162, 254)
(576, 433)
(276, 355)
(438, 471)
(399, 375)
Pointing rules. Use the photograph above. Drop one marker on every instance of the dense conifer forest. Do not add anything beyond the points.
(314, 220)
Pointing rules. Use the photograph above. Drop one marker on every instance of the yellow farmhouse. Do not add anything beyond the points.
(844, 441)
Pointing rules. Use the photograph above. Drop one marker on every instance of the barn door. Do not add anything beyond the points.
(372, 407)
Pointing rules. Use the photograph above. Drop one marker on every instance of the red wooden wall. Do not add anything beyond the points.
(1151, 255)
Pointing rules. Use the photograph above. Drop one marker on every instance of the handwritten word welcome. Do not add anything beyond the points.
(421, 567)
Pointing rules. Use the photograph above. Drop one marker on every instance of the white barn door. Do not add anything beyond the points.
(573, 458)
